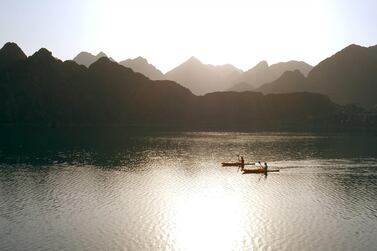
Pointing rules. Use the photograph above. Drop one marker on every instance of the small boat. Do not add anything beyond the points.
(259, 170)
(235, 164)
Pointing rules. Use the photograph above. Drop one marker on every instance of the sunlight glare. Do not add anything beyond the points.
(205, 222)
(217, 32)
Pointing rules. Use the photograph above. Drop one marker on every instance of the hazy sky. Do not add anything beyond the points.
(167, 32)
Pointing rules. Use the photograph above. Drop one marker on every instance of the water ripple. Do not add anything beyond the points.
(168, 192)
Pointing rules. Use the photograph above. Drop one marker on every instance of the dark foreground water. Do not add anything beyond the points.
(111, 190)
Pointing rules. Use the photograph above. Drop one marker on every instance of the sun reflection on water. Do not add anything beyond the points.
(208, 220)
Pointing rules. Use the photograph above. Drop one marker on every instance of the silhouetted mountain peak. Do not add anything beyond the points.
(141, 60)
(43, 55)
(101, 54)
(350, 51)
(105, 64)
(101, 62)
(193, 60)
(142, 66)
(289, 81)
(353, 47)
(348, 77)
(261, 64)
(86, 58)
(83, 53)
(12, 49)
(138, 60)
(203, 78)
(10, 45)
(43, 52)
(11, 53)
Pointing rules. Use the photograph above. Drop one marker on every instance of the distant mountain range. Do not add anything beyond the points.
(86, 58)
(290, 81)
(203, 78)
(42, 90)
(142, 66)
(138, 64)
(262, 73)
(348, 77)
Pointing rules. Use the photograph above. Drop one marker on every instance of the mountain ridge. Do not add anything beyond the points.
(108, 93)
(347, 77)
(263, 73)
(86, 58)
(142, 66)
(202, 78)
(10, 53)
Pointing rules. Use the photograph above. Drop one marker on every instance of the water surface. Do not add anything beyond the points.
(112, 190)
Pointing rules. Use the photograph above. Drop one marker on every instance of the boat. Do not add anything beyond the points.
(259, 170)
(235, 164)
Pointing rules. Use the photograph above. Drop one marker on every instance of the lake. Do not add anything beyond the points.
(111, 189)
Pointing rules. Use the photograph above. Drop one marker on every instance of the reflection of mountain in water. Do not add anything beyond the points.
(127, 146)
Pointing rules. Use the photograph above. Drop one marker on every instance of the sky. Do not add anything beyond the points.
(168, 32)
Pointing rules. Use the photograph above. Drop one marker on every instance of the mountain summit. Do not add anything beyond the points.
(263, 73)
(290, 81)
(203, 78)
(86, 58)
(349, 76)
(142, 66)
(9, 54)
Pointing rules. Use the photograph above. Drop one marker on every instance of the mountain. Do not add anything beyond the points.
(349, 76)
(142, 66)
(10, 54)
(203, 78)
(85, 58)
(279, 68)
(263, 73)
(290, 81)
(255, 110)
(43, 90)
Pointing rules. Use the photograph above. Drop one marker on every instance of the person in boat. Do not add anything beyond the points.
(260, 164)
(265, 166)
(242, 164)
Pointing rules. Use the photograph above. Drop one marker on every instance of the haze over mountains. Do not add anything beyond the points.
(42, 90)
(290, 81)
(142, 66)
(263, 73)
(203, 78)
(86, 58)
(348, 77)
